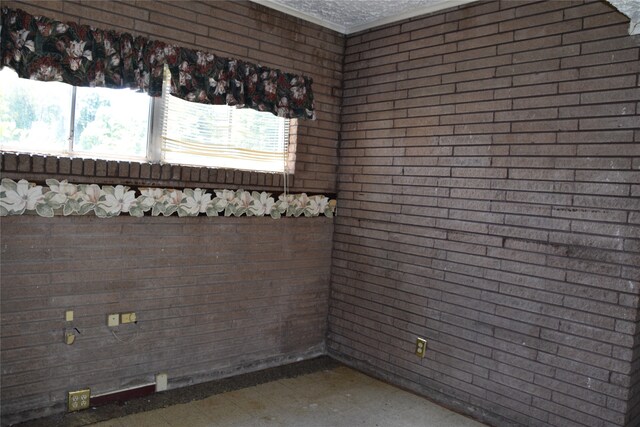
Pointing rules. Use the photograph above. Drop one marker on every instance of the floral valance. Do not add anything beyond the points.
(64, 198)
(40, 48)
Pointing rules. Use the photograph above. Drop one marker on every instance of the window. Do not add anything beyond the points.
(55, 118)
(221, 136)
(119, 124)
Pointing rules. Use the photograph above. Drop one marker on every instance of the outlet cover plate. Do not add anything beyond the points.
(79, 400)
(421, 347)
(128, 318)
(113, 320)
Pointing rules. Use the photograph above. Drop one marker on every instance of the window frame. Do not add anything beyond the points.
(154, 143)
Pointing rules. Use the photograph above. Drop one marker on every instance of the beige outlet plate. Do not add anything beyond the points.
(113, 320)
(79, 400)
(128, 318)
(421, 347)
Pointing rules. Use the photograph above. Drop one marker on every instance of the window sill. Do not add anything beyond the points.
(38, 168)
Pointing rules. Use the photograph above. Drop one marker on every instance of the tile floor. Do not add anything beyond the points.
(336, 397)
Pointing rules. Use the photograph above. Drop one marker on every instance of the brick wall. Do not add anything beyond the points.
(489, 189)
(214, 296)
(633, 412)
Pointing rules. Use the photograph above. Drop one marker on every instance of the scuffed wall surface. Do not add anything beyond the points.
(489, 193)
(633, 411)
(213, 297)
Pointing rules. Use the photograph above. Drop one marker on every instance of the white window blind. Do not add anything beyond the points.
(222, 136)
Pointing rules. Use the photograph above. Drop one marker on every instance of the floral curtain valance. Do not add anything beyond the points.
(40, 48)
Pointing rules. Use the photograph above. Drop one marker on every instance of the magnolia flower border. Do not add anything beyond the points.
(62, 197)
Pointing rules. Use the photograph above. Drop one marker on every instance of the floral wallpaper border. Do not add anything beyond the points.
(64, 198)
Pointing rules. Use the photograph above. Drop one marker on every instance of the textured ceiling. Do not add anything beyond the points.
(350, 16)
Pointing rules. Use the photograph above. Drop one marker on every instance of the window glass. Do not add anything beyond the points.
(111, 122)
(223, 136)
(34, 116)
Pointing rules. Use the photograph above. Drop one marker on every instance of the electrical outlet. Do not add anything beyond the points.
(128, 318)
(421, 347)
(113, 319)
(79, 400)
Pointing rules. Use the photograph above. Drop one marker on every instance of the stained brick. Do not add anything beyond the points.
(175, 173)
(38, 163)
(64, 166)
(540, 19)
(24, 163)
(608, 44)
(599, 110)
(76, 166)
(123, 170)
(548, 53)
(600, 58)
(134, 170)
(587, 9)
(525, 45)
(566, 26)
(527, 68)
(546, 77)
(89, 167)
(610, 96)
(546, 101)
(609, 69)
(608, 19)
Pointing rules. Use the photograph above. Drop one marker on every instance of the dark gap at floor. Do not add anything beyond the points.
(183, 394)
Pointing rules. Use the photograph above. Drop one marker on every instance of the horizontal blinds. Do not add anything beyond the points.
(222, 136)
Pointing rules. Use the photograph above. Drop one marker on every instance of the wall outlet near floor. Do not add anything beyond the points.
(421, 347)
(128, 318)
(79, 400)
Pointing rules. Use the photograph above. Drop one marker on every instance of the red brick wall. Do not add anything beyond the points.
(489, 189)
(214, 296)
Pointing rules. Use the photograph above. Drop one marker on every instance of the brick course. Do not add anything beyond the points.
(507, 178)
